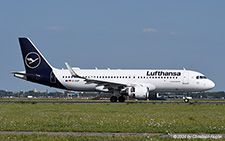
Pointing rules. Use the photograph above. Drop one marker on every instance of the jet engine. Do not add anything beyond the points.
(138, 92)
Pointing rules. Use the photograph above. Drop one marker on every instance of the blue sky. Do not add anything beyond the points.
(117, 34)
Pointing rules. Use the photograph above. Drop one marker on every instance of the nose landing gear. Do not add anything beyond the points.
(186, 98)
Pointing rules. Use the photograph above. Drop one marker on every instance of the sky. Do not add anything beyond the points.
(116, 34)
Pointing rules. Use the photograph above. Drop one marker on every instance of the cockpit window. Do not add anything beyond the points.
(201, 77)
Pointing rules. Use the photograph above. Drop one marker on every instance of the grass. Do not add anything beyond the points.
(164, 118)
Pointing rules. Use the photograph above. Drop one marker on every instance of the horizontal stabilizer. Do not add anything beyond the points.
(23, 75)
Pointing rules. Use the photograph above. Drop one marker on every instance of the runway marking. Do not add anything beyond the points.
(175, 135)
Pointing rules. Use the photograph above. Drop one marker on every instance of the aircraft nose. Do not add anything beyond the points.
(211, 84)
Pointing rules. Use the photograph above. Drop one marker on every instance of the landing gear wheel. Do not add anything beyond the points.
(121, 99)
(186, 100)
(113, 99)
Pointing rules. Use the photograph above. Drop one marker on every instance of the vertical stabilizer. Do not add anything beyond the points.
(34, 61)
(38, 69)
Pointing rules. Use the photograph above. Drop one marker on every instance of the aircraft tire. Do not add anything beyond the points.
(186, 100)
(121, 99)
(113, 99)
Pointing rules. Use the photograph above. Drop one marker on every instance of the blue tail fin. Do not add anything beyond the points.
(34, 61)
(38, 69)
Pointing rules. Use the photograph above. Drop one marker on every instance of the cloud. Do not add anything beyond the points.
(56, 28)
(173, 33)
(149, 30)
(177, 34)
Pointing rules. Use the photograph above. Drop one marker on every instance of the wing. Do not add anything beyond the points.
(110, 84)
(106, 84)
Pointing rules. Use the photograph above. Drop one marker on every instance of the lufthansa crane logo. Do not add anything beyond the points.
(32, 60)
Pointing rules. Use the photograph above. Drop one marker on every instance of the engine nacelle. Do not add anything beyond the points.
(101, 89)
(138, 92)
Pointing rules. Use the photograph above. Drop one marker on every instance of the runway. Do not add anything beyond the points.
(173, 135)
(105, 102)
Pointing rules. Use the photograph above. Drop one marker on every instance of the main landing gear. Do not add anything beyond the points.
(114, 99)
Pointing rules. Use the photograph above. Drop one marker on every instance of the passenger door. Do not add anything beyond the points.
(185, 77)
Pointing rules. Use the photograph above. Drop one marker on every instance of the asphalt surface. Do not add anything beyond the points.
(176, 135)
(104, 102)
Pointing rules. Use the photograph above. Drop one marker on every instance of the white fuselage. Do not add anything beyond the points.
(161, 80)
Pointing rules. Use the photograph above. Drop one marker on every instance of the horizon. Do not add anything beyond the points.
(115, 34)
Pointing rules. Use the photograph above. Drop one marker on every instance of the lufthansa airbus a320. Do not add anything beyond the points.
(140, 84)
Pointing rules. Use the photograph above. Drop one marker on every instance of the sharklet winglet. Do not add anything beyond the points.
(73, 73)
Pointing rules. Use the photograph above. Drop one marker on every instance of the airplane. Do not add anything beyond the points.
(139, 84)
